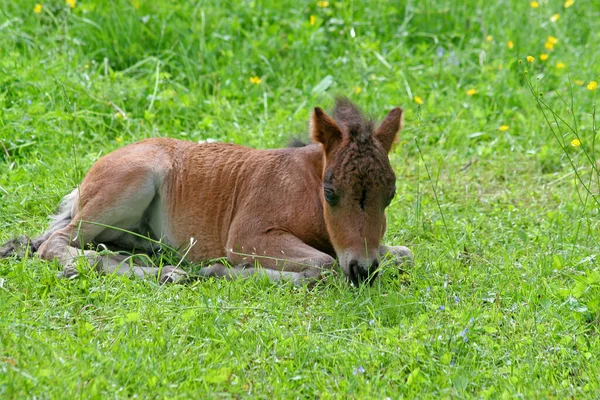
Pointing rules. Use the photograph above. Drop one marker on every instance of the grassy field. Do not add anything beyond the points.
(496, 196)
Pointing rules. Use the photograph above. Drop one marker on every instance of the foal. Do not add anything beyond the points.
(292, 210)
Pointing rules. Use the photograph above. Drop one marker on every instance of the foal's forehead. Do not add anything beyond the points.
(363, 162)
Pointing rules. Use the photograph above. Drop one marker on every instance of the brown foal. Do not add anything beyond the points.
(291, 210)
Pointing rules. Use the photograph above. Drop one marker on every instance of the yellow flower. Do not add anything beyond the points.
(575, 142)
(38, 8)
(510, 44)
(548, 46)
(323, 3)
(543, 56)
(552, 39)
(357, 90)
(313, 19)
(418, 100)
(555, 17)
(503, 128)
(71, 3)
(560, 65)
(255, 80)
(471, 92)
(592, 85)
(534, 4)
(569, 3)
(579, 82)
(530, 59)
(489, 38)
(135, 4)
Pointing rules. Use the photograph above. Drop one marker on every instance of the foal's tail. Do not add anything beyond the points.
(23, 245)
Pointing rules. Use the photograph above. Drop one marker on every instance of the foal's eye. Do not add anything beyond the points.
(330, 196)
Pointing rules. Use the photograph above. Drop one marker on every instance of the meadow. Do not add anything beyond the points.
(497, 196)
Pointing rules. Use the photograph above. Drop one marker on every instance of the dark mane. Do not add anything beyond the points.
(351, 119)
(296, 142)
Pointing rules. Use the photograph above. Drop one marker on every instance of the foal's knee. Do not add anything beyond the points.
(52, 248)
(58, 247)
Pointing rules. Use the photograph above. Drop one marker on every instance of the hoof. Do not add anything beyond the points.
(69, 271)
(67, 274)
(216, 270)
(309, 278)
(401, 255)
(170, 274)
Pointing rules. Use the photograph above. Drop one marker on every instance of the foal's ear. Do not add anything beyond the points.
(324, 130)
(387, 131)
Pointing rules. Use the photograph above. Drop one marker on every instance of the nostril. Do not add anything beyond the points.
(373, 271)
(353, 272)
(374, 266)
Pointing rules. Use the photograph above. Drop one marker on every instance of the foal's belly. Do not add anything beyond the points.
(196, 200)
(192, 235)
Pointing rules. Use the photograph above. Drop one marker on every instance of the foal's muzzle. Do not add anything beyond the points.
(359, 274)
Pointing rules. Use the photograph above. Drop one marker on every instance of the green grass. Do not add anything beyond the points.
(504, 298)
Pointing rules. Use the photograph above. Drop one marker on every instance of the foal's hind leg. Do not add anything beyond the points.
(65, 246)
(120, 191)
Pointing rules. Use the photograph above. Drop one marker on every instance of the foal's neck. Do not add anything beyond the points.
(309, 224)
(314, 156)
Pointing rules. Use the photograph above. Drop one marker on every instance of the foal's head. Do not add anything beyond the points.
(358, 184)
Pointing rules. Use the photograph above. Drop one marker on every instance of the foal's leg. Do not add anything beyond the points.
(65, 245)
(114, 194)
(282, 256)
(219, 270)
